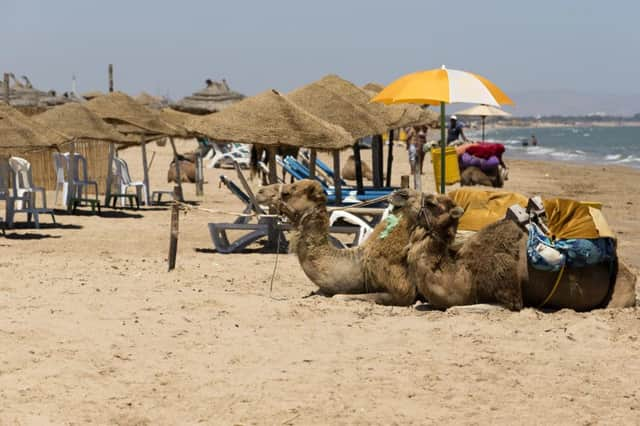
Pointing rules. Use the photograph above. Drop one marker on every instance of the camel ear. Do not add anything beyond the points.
(430, 199)
(457, 212)
(399, 198)
(315, 193)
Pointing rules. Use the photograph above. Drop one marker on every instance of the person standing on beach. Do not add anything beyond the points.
(534, 141)
(455, 130)
(416, 141)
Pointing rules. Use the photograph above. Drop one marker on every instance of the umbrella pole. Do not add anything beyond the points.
(443, 147)
(483, 117)
(312, 163)
(145, 170)
(107, 190)
(358, 161)
(336, 177)
(390, 158)
(176, 163)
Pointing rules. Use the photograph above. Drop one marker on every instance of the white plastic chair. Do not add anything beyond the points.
(24, 199)
(123, 180)
(365, 229)
(230, 153)
(60, 163)
(81, 185)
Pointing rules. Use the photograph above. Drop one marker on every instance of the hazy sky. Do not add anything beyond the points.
(170, 47)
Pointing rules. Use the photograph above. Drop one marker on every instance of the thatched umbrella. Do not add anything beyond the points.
(150, 101)
(23, 95)
(215, 97)
(132, 118)
(272, 119)
(19, 134)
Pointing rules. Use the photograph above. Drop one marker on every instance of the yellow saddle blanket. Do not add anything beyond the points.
(566, 218)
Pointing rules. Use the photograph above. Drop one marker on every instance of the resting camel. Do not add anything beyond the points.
(349, 169)
(375, 271)
(492, 267)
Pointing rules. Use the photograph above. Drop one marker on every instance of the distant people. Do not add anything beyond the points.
(534, 141)
(416, 142)
(455, 130)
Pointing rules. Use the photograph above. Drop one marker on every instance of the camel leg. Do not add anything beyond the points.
(624, 290)
(478, 308)
(377, 298)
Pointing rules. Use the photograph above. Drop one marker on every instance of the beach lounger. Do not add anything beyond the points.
(268, 226)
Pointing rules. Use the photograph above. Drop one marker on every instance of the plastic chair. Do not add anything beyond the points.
(24, 199)
(80, 185)
(123, 180)
(60, 164)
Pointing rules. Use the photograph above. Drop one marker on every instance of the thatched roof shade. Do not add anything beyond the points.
(216, 96)
(150, 101)
(79, 122)
(18, 133)
(323, 99)
(402, 115)
(271, 119)
(176, 118)
(130, 117)
(373, 87)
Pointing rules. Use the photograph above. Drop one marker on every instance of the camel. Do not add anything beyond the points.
(187, 171)
(374, 272)
(492, 267)
(349, 169)
(475, 176)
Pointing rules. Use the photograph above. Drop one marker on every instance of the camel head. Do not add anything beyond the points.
(294, 200)
(436, 214)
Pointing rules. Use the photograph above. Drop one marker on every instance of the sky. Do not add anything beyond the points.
(171, 47)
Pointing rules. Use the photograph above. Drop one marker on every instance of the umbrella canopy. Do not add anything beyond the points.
(329, 99)
(130, 117)
(215, 97)
(442, 85)
(150, 101)
(176, 118)
(79, 122)
(484, 111)
(403, 115)
(18, 133)
(271, 119)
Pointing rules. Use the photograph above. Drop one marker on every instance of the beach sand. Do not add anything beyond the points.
(93, 329)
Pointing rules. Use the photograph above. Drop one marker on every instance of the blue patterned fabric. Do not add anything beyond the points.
(575, 252)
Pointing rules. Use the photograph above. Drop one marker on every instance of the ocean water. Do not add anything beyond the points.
(596, 145)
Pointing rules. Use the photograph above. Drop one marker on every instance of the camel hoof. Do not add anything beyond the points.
(478, 308)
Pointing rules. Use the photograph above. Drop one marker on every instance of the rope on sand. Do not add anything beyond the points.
(189, 207)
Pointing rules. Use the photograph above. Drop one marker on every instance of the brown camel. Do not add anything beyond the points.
(492, 267)
(187, 171)
(475, 176)
(375, 271)
(349, 169)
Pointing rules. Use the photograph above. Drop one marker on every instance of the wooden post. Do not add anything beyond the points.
(71, 188)
(107, 190)
(390, 158)
(358, 160)
(6, 88)
(273, 172)
(199, 176)
(336, 177)
(176, 164)
(110, 78)
(173, 236)
(145, 169)
(404, 181)
(376, 160)
(312, 163)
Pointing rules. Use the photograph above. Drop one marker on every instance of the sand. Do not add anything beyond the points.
(93, 329)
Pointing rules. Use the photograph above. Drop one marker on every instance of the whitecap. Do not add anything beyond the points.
(612, 157)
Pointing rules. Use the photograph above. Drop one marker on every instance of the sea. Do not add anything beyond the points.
(594, 145)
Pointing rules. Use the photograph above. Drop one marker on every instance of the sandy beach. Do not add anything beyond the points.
(93, 329)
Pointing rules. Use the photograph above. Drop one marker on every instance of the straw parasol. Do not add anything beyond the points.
(215, 97)
(323, 99)
(49, 137)
(373, 87)
(150, 101)
(271, 119)
(176, 118)
(133, 118)
(75, 120)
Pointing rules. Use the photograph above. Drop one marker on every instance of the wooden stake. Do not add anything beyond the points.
(145, 169)
(358, 160)
(110, 77)
(336, 176)
(312, 163)
(273, 173)
(6, 88)
(390, 158)
(176, 163)
(107, 190)
(173, 236)
(376, 160)
(199, 176)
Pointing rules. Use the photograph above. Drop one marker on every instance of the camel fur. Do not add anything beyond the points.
(375, 271)
(349, 169)
(492, 267)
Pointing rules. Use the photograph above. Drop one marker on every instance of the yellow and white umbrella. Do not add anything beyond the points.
(483, 111)
(439, 87)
